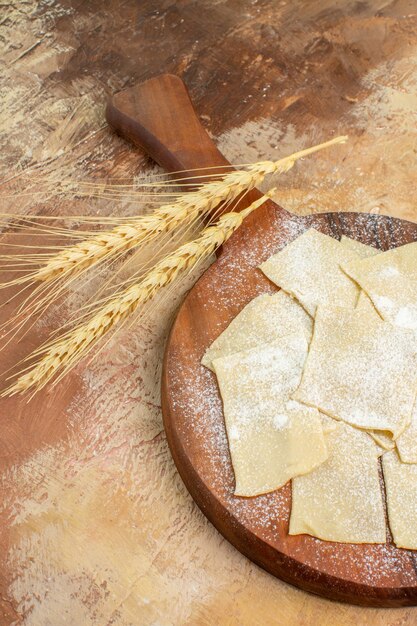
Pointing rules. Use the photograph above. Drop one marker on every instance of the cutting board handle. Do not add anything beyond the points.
(159, 117)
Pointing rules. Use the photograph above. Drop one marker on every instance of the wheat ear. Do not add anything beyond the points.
(73, 260)
(63, 353)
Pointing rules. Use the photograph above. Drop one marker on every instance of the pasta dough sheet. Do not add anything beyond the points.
(263, 320)
(390, 279)
(328, 423)
(271, 439)
(341, 500)
(361, 249)
(344, 377)
(383, 439)
(309, 269)
(407, 442)
(366, 305)
(401, 489)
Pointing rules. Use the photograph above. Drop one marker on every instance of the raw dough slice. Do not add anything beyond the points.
(363, 251)
(271, 439)
(328, 423)
(341, 500)
(383, 439)
(390, 279)
(366, 305)
(364, 302)
(381, 449)
(309, 269)
(401, 488)
(407, 442)
(263, 320)
(361, 370)
(359, 248)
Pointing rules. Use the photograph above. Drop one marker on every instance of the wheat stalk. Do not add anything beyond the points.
(73, 260)
(63, 353)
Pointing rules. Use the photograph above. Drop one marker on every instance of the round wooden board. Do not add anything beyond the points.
(375, 575)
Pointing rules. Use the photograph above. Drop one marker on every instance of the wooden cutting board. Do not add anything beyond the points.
(159, 117)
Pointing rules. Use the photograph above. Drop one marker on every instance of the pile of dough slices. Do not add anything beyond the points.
(319, 381)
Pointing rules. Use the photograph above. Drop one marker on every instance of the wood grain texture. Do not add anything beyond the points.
(97, 527)
(144, 115)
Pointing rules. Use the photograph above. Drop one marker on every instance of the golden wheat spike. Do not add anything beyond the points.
(63, 353)
(72, 260)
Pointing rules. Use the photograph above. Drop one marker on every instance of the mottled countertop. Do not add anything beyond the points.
(96, 525)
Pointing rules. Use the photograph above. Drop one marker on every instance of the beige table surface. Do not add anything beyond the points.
(96, 525)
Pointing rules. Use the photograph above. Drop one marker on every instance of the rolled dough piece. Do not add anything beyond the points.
(309, 269)
(328, 423)
(407, 442)
(366, 305)
(383, 439)
(341, 500)
(271, 439)
(401, 489)
(359, 248)
(344, 377)
(390, 280)
(381, 449)
(263, 320)
(364, 302)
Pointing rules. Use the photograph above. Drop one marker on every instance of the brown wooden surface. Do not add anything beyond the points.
(96, 526)
(195, 431)
(158, 116)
